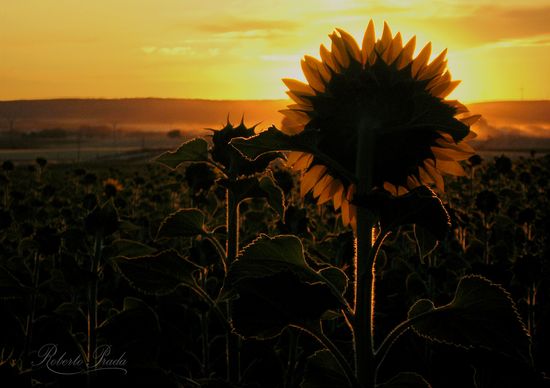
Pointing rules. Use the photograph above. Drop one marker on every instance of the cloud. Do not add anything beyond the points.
(241, 28)
(534, 41)
(176, 50)
(480, 25)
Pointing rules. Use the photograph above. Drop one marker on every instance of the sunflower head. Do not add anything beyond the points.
(417, 135)
(233, 161)
(111, 187)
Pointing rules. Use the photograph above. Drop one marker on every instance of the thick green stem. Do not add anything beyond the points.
(363, 324)
(92, 301)
(232, 248)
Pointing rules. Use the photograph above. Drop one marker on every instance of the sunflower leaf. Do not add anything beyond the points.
(273, 140)
(195, 150)
(322, 371)
(406, 380)
(482, 314)
(182, 223)
(158, 274)
(277, 288)
(420, 206)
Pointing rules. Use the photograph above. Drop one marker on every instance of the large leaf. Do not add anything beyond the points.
(159, 274)
(420, 206)
(195, 150)
(277, 287)
(273, 140)
(322, 371)
(482, 314)
(182, 223)
(128, 248)
(405, 380)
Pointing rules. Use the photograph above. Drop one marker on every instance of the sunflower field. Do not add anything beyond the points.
(362, 244)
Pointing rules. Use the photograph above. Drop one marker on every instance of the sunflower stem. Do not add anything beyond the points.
(232, 249)
(363, 324)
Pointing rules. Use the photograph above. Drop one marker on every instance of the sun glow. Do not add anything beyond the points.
(171, 48)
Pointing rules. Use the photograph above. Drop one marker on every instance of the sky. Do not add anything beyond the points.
(240, 49)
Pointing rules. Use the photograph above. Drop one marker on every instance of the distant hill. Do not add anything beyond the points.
(140, 113)
(516, 124)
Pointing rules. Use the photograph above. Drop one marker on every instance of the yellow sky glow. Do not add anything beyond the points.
(240, 49)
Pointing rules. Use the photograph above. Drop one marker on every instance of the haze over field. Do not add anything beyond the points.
(505, 124)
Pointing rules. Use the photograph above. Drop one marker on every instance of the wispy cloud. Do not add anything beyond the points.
(534, 41)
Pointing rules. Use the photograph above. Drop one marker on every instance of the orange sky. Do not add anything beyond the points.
(241, 49)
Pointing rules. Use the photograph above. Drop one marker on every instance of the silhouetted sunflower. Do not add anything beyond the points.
(418, 134)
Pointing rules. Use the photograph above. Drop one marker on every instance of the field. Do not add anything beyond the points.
(132, 258)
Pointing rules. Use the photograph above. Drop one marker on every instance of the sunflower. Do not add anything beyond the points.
(419, 135)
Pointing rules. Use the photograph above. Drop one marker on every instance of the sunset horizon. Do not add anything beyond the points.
(183, 49)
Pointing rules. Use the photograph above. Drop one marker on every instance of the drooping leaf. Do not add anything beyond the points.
(182, 223)
(420, 206)
(195, 150)
(128, 248)
(158, 274)
(276, 287)
(426, 242)
(482, 314)
(405, 380)
(273, 140)
(322, 371)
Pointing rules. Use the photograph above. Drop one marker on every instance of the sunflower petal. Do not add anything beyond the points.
(407, 53)
(298, 87)
(450, 87)
(345, 212)
(470, 120)
(313, 77)
(429, 166)
(322, 185)
(300, 107)
(460, 108)
(339, 197)
(338, 50)
(384, 43)
(351, 45)
(329, 192)
(292, 157)
(304, 162)
(449, 154)
(328, 60)
(310, 178)
(299, 98)
(322, 69)
(421, 59)
(434, 68)
(393, 51)
(450, 167)
(369, 40)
